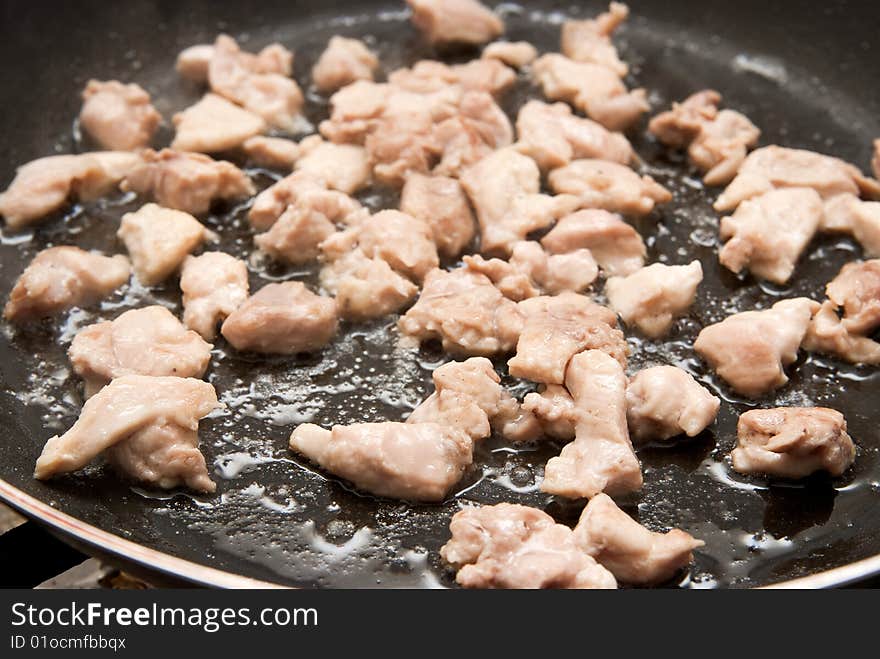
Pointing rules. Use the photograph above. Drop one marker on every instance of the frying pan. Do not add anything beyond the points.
(806, 76)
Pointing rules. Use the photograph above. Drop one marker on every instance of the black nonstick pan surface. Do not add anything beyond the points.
(806, 73)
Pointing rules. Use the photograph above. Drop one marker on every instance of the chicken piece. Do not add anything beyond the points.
(554, 409)
(466, 312)
(680, 126)
(344, 167)
(478, 75)
(59, 278)
(300, 189)
(652, 297)
(768, 234)
(609, 186)
(504, 189)
(749, 350)
(875, 161)
(512, 546)
(188, 182)
(848, 214)
(856, 289)
(592, 88)
(558, 327)
(632, 553)
(665, 401)
(46, 184)
(615, 245)
(553, 136)
(366, 288)
(402, 143)
(271, 152)
(193, 62)
(344, 61)
(119, 117)
(282, 319)
(512, 53)
(158, 240)
(514, 281)
(243, 79)
(455, 21)
(601, 457)
(792, 442)
(773, 167)
(441, 203)
(214, 285)
(410, 461)
(480, 128)
(214, 124)
(829, 335)
(590, 40)
(146, 341)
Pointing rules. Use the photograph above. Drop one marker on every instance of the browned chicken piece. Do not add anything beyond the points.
(875, 161)
(609, 186)
(119, 117)
(749, 350)
(455, 21)
(617, 247)
(652, 297)
(665, 401)
(792, 442)
(193, 62)
(430, 76)
(45, 185)
(440, 202)
(848, 214)
(505, 188)
(410, 461)
(632, 553)
(554, 409)
(364, 287)
(282, 319)
(768, 234)
(827, 334)
(146, 341)
(158, 240)
(342, 62)
(158, 415)
(601, 457)
(214, 124)
(299, 188)
(774, 167)
(553, 136)
(512, 546)
(558, 327)
(590, 40)
(592, 88)
(466, 312)
(343, 167)
(213, 285)
(512, 53)
(63, 277)
(271, 152)
(241, 78)
(188, 182)
(480, 128)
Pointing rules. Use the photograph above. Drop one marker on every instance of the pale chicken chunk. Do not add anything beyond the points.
(158, 240)
(119, 117)
(680, 126)
(601, 457)
(512, 546)
(848, 214)
(300, 189)
(188, 182)
(214, 124)
(553, 136)
(480, 128)
(768, 234)
(592, 88)
(615, 245)
(342, 62)
(410, 461)
(512, 53)
(343, 167)
(466, 312)
(282, 319)
(193, 62)
(652, 297)
(136, 408)
(590, 40)
(749, 350)
(272, 152)
(827, 334)
(665, 401)
(146, 341)
(440, 202)
(59, 278)
(792, 442)
(213, 286)
(554, 410)
(609, 186)
(45, 185)
(366, 287)
(478, 75)
(455, 21)
(632, 553)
